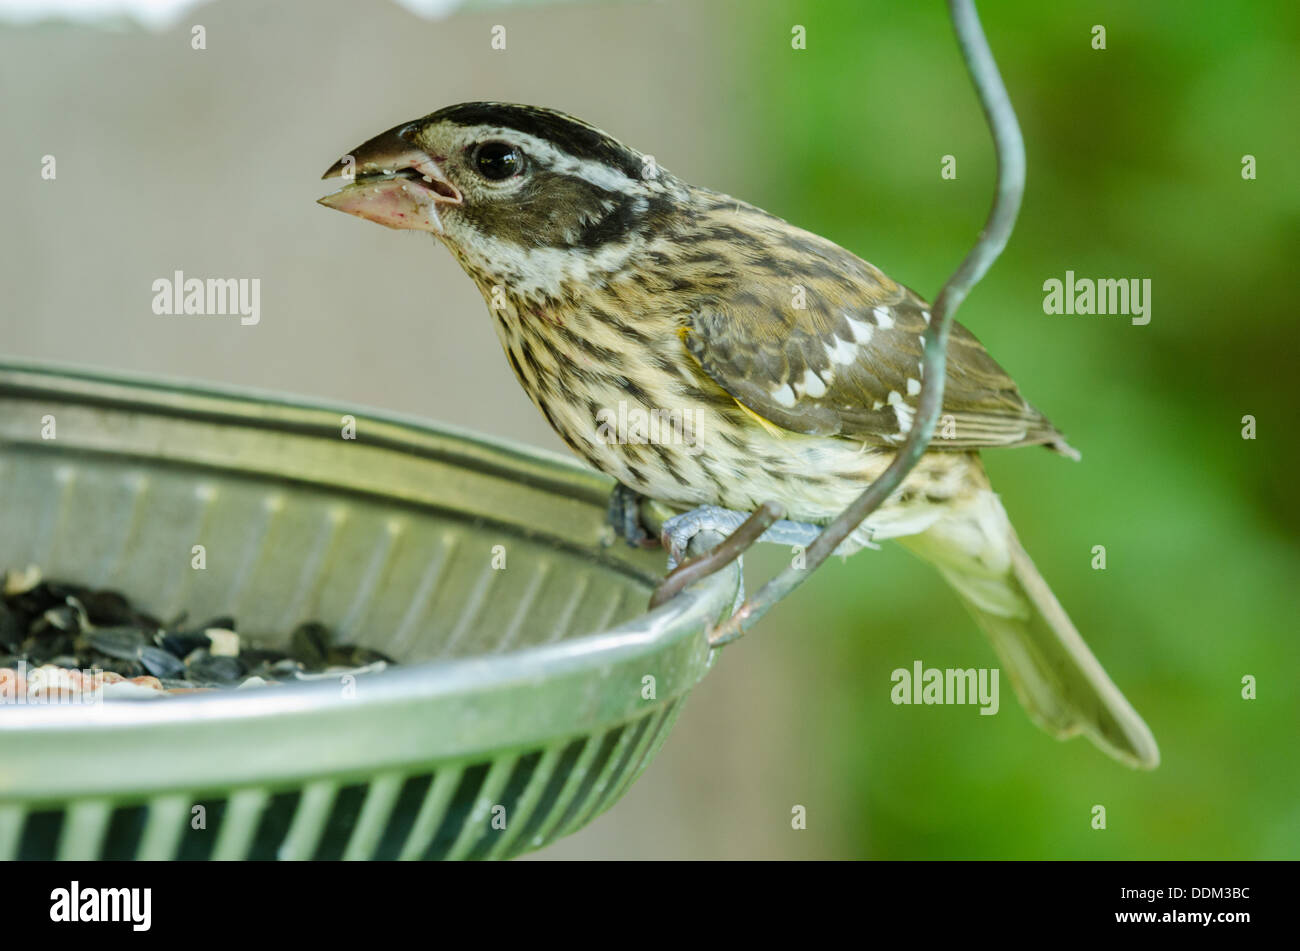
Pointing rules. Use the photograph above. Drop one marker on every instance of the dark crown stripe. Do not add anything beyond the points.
(564, 132)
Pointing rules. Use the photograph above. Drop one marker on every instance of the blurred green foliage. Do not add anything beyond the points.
(1135, 160)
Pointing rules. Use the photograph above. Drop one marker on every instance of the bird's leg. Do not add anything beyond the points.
(625, 517)
(680, 529)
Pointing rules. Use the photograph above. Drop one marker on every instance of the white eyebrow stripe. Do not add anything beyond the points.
(597, 173)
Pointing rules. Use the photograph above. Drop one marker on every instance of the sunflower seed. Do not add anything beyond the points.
(122, 642)
(70, 626)
(11, 629)
(310, 644)
(20, 582)
(107, 608)
(223, 670)
(160, 663)
(225, 642)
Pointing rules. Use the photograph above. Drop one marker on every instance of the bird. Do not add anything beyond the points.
(712, 357)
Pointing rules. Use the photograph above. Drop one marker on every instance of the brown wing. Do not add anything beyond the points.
(820, 342)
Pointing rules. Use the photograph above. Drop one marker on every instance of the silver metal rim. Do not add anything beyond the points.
(668, 642)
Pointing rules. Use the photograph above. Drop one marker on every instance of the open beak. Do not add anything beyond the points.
(392, 182)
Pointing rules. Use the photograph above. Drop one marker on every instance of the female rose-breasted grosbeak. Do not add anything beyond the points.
(614, 284)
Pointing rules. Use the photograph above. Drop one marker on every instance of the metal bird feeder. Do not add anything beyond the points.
(522, 707)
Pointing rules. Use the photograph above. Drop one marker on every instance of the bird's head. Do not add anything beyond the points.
(519, 193)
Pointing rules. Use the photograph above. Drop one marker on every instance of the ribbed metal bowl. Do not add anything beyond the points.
(529, 696)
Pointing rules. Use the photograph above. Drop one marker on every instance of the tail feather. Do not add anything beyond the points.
(1058, 680)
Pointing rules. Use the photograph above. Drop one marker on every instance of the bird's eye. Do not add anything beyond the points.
(497, 161)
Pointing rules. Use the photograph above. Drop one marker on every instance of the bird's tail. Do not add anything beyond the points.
(1058, 680)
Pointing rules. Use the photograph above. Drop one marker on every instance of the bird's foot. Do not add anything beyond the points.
(680, 529)
(625, 517)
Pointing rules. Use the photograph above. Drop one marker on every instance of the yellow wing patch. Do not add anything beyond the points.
(771, 427)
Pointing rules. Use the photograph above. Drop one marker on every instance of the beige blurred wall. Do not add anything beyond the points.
(208, 162)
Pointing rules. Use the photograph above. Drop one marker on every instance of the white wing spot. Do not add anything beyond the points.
(925, 315)
(844, 352)
(784, 396)
(812, 384)
(862, 330)
(904, 412)
(884, 320)
(913, 386)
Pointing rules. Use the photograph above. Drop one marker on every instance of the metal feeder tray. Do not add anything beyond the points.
(523, 688)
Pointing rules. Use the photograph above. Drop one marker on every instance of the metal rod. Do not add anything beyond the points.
(1010, 148)
(717, 558)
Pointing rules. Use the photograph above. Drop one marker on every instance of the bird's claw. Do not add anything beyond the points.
(625, 518)
(680, 529)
